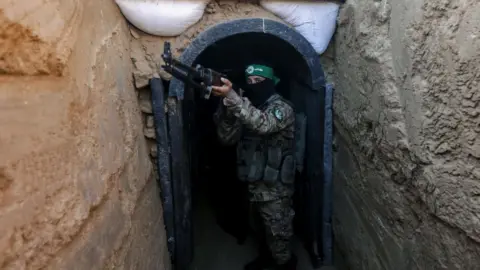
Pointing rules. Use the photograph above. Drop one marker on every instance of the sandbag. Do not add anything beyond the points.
(163, 17)
(315, 20)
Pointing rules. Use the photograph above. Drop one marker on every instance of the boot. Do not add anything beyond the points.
(290, 265)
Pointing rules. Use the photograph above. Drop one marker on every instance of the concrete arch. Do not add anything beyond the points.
(256, 25)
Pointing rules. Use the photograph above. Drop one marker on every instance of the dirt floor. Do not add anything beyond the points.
(217, 250)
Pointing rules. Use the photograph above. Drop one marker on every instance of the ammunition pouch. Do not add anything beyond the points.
(251, 160)
(287, 171)
(264, 163)
(274, 161)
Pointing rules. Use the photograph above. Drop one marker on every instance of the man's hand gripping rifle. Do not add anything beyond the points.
(198, 77)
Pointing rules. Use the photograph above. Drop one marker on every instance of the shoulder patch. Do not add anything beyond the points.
(278, 114)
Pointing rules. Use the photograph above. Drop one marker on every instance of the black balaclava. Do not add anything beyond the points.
(259, 93)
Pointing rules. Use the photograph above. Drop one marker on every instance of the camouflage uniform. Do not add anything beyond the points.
(265, 159)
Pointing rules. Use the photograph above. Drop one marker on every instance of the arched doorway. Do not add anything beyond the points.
(304, 82)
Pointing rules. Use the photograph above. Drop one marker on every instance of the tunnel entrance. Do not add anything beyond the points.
(195, 169)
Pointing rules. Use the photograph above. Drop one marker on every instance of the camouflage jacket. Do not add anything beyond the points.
(270, 128)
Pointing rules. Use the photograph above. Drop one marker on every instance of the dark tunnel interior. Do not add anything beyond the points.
(213, 165)
(216, 163)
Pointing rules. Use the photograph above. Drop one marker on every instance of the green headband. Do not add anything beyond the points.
(262, 71)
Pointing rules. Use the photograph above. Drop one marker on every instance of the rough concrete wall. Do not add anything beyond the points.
(146, 51)
(76, 183)
(408, 146)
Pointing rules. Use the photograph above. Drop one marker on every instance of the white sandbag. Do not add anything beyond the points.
(315, 20)
(163, 17)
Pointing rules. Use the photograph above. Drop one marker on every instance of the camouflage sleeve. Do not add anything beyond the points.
(228, 126)
(276, 117)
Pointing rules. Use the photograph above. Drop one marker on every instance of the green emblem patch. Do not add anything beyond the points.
(278, 114)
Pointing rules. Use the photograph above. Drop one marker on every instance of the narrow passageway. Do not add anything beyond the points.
(102, 152)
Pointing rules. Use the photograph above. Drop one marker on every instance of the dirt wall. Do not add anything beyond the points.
(76, 184)
(407, 134)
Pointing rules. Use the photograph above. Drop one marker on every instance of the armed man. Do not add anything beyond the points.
(263, 125)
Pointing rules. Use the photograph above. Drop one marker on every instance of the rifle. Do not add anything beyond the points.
(189, 75)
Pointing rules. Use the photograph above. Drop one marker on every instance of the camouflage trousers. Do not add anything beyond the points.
(273, 223)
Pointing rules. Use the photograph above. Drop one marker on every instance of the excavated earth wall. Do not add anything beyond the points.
(77, 189)
(76, 183)
(407, 115)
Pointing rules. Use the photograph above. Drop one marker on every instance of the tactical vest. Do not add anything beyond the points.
(267, 158)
